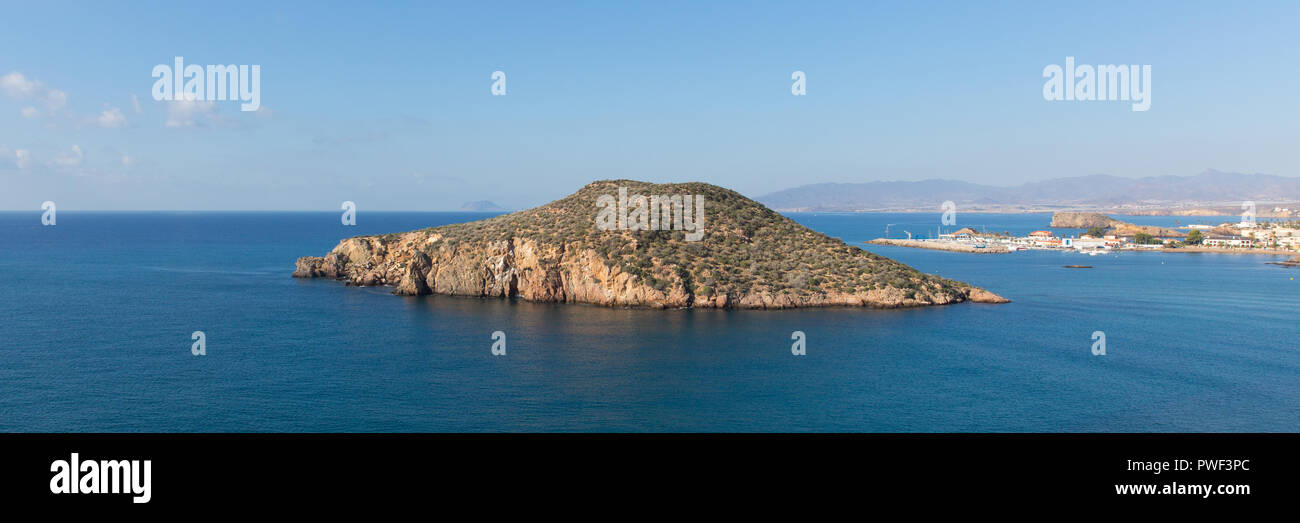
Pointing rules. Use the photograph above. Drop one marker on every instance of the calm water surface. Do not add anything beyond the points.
(97, 312)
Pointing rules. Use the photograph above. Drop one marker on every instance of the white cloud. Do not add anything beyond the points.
(18, 86)
(111, 117)
(30, 112)
(188, 113)
(135, 103)
(22, 158)
(69, 159)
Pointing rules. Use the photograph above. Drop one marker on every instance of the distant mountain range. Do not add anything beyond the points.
(1083, 192)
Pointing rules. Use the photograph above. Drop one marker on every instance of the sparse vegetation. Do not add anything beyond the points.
(746, 248)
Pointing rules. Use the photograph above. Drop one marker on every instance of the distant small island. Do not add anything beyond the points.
(482, 206)
(747, 256)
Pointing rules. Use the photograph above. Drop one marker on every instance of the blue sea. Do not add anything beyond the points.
(97, 312)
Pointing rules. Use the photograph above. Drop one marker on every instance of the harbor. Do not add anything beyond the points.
(1246, 237)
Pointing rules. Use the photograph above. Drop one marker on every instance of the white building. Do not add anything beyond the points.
(1229, 241)
(1281, 235)
(1085, 243)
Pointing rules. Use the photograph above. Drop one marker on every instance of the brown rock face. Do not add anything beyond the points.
(555, 253)
(979, 295)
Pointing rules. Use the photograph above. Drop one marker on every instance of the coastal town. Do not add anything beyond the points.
(1103, 234)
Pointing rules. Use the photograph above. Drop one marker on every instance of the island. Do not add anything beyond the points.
(482, 206)
(740, 254)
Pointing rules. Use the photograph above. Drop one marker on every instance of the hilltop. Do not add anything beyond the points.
(749, 257)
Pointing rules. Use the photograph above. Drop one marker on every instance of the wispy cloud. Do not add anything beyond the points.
(14, 159)
(111, 117)
(191, 113)
(69, 159)
(18, 86)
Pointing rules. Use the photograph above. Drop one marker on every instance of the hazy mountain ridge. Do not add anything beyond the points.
(1095, 190)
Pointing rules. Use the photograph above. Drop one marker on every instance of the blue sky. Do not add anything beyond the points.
(390, 106)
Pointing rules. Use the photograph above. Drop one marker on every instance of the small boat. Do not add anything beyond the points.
(1078, 266)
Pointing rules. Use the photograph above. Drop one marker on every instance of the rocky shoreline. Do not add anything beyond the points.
(516, 268)
(1292, 263)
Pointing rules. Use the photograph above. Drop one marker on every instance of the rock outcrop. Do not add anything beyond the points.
(1088, 220)
(748, 257)
(1082, 220)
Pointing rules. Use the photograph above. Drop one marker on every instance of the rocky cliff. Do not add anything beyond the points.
(748, 257)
